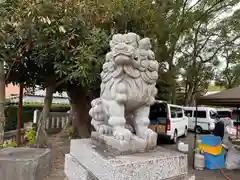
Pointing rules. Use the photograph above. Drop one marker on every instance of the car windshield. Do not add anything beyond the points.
(224, 114)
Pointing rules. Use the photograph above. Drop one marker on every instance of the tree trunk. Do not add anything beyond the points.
(189, 91)
(41, 136)
(20, 107)
(195, 88)
(173, 81)
(173, 94)
(192, 101)
(80, 108)
(2, 101)
(193, 95)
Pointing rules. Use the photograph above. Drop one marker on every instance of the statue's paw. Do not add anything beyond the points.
(122, 134)
(151, 137)
(130, 128)
(104, 129)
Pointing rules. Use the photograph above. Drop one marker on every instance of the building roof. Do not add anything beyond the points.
(43, 92)
(211, 92)
(229, 97)
(38, 99)
(12, 94)
(13, 90)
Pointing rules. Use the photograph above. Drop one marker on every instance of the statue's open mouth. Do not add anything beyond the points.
(123, 60)
(123, 54)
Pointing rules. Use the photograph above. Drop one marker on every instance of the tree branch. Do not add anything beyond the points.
(209, 10)
(184, 7)
(61, 81)
(15, 60)
(219, 48)
(194, 5)
(204, 44)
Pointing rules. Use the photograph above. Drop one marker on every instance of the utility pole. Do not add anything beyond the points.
(2, 100)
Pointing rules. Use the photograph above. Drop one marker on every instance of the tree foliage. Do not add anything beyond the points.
(229, 77)
(55, 43)
(51, 44)
(63, 43)
(200, 48)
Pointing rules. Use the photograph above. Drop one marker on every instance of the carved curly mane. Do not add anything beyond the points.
(137, 75)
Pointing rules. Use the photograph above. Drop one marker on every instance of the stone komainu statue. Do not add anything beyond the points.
(128, 89)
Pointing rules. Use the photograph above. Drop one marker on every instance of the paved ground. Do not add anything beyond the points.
(61, 147)
(205, 174)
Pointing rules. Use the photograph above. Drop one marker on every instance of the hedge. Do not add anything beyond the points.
(11, 113)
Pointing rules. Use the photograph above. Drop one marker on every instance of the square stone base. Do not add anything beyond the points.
(25, 163)
(87, 162)
(116, 147)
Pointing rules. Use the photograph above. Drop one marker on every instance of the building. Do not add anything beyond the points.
(11, 90)
(12, 95)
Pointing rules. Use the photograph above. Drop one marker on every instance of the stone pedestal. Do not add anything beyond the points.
(24, 163)
(111, 145)
(89, 162)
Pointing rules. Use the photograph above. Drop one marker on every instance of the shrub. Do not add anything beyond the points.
(8, 143)
(70, 131)
(11, 113)
(30, 136)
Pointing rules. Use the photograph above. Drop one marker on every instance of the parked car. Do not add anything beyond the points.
(168, 120)
(206, 118)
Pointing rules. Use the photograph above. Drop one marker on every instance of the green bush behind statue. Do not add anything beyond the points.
(11, 113)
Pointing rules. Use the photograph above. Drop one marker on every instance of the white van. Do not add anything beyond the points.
(206, 118)
(168, 120)
(225, 115)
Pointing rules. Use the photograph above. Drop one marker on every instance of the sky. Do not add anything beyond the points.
(222, 16)
(222, 64)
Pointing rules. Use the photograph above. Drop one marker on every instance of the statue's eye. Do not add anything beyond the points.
(135, 58)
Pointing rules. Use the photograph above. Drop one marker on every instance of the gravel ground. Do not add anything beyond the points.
(61, 147)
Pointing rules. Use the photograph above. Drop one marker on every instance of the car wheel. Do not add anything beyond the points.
(175, 137)
(198, 130)
(185, 132)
